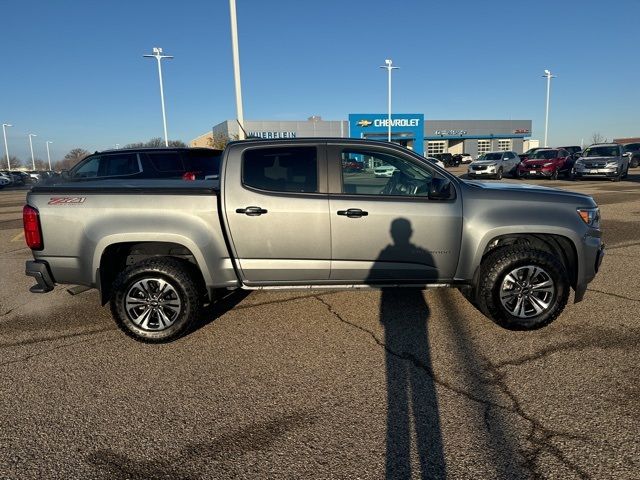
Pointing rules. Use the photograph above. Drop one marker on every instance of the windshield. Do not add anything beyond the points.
(493, 156)
(545, 154)
(604, 151)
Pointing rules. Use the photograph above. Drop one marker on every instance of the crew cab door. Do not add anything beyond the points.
(276, 210)
(384, 228)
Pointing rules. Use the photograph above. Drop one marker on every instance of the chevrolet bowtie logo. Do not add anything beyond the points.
(364, 123)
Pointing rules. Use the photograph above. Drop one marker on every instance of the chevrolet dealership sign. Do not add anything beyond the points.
(406, 128)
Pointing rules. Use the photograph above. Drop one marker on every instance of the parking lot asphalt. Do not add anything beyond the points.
(367, 385)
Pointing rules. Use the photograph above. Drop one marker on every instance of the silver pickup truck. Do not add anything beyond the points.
(288, 214)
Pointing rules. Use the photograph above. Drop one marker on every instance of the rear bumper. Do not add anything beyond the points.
(39, 270)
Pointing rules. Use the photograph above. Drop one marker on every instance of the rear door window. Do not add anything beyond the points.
(204, 163)
(167, 164)
(288, 169)
(119, 164)
(89, 169)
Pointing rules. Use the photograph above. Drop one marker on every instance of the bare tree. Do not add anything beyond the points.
(219, 140)
(155, 142)
(41, 164)
(598, 138)
(71, 158)
(15, 162)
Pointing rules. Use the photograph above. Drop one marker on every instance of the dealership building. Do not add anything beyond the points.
(409, 129)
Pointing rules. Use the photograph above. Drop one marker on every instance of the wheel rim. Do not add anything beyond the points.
(152, 304)
(527, 291)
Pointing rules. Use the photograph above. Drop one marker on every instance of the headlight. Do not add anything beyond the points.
(548, 164)
(579, 162)
(612, 163)
(590, 216)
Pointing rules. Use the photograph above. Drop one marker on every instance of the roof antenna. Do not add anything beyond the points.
(243, 130)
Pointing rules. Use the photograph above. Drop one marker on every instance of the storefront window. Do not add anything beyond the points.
(484, 146)
(504, 145)
(436, 146)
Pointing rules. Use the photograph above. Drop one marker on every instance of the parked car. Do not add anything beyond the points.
(466, 158)
(436, 161)
(529, 153)
(351, 166)
(447, 158)
(547, 162)
(574, 151)
(633, 149)
(384, 171)
(605, 160)
(4, 181)
(161, 251)
(7, 178)
(18, 179)
(186, 163)
(494, 164)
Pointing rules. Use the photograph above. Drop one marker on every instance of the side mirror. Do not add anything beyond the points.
(64, 173)
(439, 189)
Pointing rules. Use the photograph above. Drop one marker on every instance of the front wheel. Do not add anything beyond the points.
(522, 288)
(554, 175)
(499, 174)
(156, 300)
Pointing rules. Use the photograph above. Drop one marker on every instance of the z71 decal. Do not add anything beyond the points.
(66, 200)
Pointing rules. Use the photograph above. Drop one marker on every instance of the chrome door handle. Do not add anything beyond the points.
(251, 211)
(353, 213)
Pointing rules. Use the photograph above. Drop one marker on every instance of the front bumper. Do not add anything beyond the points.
(608, 172)
(482, 173)
(530, 172)
(593, 251)
(39, 269)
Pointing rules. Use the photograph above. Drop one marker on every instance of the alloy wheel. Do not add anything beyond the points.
(527, 291)
(152, 304)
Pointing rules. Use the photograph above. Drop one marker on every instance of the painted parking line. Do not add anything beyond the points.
(19, 236)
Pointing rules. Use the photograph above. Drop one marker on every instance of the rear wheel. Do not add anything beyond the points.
(156, 300)
(522, 288)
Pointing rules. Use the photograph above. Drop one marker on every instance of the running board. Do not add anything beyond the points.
(77, 289)
(342, 287)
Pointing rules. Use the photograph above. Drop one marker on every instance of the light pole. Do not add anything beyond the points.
(157, 54)
(33, 160)
(389, 66)
(236, 67)
(6, 145)
(548, 76)
(48, 154)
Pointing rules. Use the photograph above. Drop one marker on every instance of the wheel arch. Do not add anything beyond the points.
(559, 245)
(112, 257)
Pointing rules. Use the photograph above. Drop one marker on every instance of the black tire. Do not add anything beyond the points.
(499, 174)
(626, 172)
(554, 175)
(634, 162)
(181, 288)
(504, 261)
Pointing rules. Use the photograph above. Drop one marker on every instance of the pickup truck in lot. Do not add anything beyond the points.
(288, 214)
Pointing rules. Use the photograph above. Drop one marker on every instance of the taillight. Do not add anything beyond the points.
(189, 176)
(31, 222)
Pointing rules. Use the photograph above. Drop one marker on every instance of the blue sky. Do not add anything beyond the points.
(72, 71)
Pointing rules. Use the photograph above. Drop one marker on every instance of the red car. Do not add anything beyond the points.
(546, 162)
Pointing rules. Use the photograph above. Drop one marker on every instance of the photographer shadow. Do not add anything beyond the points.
(411, 395)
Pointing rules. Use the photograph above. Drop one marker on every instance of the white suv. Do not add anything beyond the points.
(495, 164)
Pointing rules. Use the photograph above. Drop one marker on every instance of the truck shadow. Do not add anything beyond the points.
(218, 307)
(411, 394)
